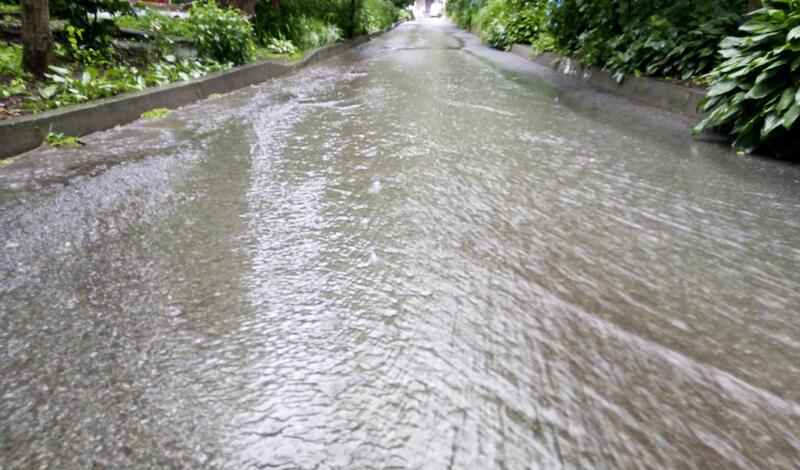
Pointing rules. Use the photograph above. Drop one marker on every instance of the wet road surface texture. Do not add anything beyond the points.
(423, 253)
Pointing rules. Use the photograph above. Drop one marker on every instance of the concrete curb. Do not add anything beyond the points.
(28, 132)
(670, 96)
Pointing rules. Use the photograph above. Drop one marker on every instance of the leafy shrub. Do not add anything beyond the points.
(59, 140)
(67, 86)
(667, 38)
(82, 14)
(755, 92)
(16, 86)
(6, 6)
(155, 22)
(662, 47)
(78, 52)
(10, 59)
(221, 34)
(281, 47)
(156, 113)
(464, 12)
(505, 22)
(403, 14)
(278, 19)
(374, 15)
(309, 33)
(675, 39)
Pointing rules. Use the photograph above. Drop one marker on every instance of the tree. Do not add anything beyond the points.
(753, 5)
(37, 40)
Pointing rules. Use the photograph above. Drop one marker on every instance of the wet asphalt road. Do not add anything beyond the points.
(423, 253)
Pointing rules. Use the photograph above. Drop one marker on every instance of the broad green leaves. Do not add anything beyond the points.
(755, 91)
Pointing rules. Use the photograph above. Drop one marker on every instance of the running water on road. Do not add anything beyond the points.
(421, 254)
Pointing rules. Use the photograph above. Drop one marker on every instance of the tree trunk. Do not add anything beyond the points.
(351, 33)
(754, 5)
(37, 40)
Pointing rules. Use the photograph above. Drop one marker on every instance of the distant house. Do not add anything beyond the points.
(424, 6)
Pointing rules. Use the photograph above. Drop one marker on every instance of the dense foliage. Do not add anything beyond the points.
(755, 92)
(83, 15)
(505, 22)
(10, 59)
(374, 15)
(89, 65)
(154, 22)
(221, 34)
(754, 68)
(9, 6)
(290, 19)
(314, 23)
(68, 86)
(665, 38)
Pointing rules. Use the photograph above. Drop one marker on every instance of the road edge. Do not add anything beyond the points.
(651, 92)
(27, 133)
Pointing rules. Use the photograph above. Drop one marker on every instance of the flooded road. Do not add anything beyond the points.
(420, 254)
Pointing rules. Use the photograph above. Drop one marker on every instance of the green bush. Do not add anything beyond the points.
(659, 46)
(221, 34)
(665, 38)
(281, 47)
(505, 22)
(674, 39)
(755, 92)
(155, 22)
(374, 15)
(10, 59)
(462, 12)
(82, 14)
(309, 33)
(9, 6)
(67, 86)
(280, 19)
(403, 14)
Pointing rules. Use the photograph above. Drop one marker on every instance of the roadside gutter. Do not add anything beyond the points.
(673, 97)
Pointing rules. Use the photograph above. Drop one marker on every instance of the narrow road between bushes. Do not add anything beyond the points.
(423, 253)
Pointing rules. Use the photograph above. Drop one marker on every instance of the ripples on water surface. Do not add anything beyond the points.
(420, 254)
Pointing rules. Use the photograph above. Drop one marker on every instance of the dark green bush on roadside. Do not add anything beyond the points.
(155, 23)
(673, 39)
(464, 12)
(662, 47)
(664, 38)
(374, 15)
(282, 20)
(755, 92)
(503, 23)
(313, 23)
(221, 34)
(309, 33)
(82, 14)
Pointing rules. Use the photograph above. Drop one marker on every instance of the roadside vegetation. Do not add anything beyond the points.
(101, 48)
(750, 60)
